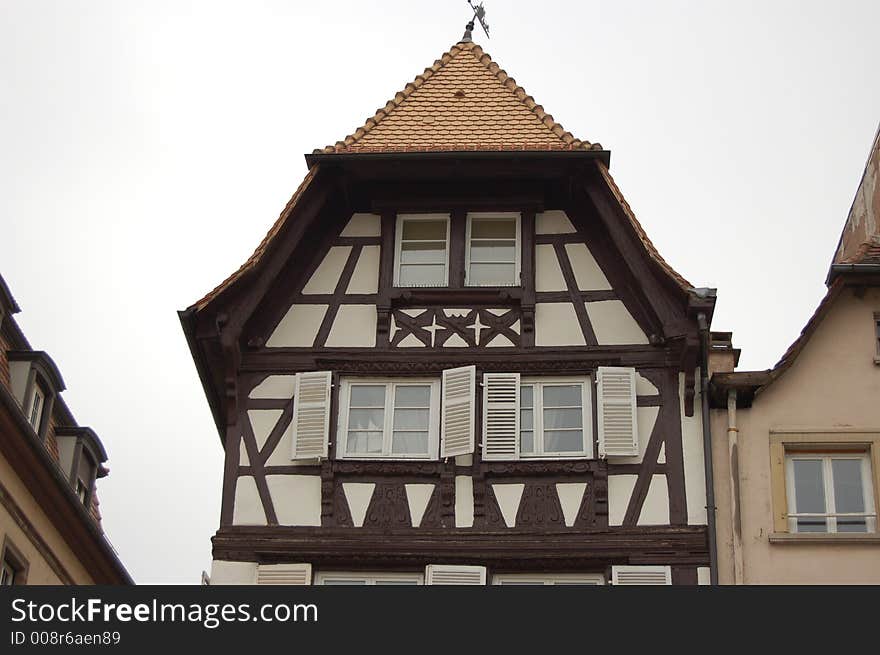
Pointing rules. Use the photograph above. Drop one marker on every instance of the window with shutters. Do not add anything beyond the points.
(362, 578)
(389, 419)
(556, 579)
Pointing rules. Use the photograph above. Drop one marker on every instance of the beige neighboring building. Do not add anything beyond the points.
(797, 447)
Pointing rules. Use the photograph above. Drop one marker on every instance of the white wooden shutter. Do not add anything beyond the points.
(457, 414)
(450, 574)
(311, 415)
(284, 574)
(641, 575)
(501, 416)
(618, 432)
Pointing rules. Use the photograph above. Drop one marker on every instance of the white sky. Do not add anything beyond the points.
(146, 148)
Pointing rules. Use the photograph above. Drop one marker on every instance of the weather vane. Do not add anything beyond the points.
(480, 15)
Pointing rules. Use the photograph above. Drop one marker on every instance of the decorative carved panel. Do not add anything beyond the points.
(437, 327)
(389, 507)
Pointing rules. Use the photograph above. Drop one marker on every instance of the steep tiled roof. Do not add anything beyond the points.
(465, 101)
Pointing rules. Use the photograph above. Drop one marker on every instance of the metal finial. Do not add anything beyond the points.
(467, 38)
(480, 15)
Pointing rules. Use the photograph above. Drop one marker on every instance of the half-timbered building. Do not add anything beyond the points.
(456, 358)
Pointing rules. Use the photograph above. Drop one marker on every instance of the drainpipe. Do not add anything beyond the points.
(707, 448)
(735, 507)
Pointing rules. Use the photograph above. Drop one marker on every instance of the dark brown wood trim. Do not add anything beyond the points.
(565, 296)
(358, 241)
(341, 285)
(277, 432)
(649, 401)
(259, 473)
(527, 278)
(580, 309)
(457, 248)
(674, 450)
(684, 575)
(558, 239)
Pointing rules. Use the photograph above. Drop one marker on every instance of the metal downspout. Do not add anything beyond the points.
(707, 448)
(735, 507)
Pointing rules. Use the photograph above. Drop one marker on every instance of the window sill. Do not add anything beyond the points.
(823, 538)
(403, 296)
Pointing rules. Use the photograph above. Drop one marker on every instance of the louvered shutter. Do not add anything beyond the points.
(284, 574)
(450, 574)
(641, 575)
(501, 416)
(311, 415)
(618, 432)
(457, 413)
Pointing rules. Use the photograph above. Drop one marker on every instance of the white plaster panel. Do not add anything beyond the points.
(417, 496)
(297, 498)
(365, 278)
(299, 327)
(556, 324)
(414, 313)
(464, 460)
(515, 326)
(226, 572)
(243, 459)
(275, 386)
(587, 274)
(571, 494)
(655, 510)
(499, 341)
(457, 312)
(703, 576)
(326, 276)
(644, 387)
(464, 501)
(692, 450)
(358, 495)
(248, 508)
(355, 325)
(498, 312)
(508, 497)
(262, 423)
(280, 456)
(553, 222)
(613, 324)
(363, 225)
(410, 341)
(455, 341)
(620, 488)
(548, 275)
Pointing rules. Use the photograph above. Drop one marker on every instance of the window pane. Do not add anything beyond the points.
(526, 396)
(808, 487)
(397, 582)
(493, 251)
(428, 229)
(366, 419)
(526, 420)
(482, 228)
(562, 396)
(562, 418)
(422, 275)
(339, 581)
(412, 396)
(851, 524)
(556, 441)
(368, 395)
(492, 275)
(526, 442)
(409, 443)
(411, 419)
(848, 496)
(430, 252)
(364, 442)
(811, 525)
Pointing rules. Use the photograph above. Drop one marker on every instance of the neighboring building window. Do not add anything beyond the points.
(553, 418)
(493, 250)
(389, 419)
(830, 492)
(13, 567)
(422, 250)
(369, 578)
(877, 338)
(548, 579)
(37, 403)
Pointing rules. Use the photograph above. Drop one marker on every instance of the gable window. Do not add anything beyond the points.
(552, 418)
(35, 414)
(829, 492)
(590, 579)
(493, 250)
(422, 250)
(389, 419)
(396, 579)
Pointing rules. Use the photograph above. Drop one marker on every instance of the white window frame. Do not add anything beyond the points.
(596, 579)
(398, 239)
(369, 579)
(499, 216)
(390, 385)
(830, 515)
(538, 419)
(34, 421)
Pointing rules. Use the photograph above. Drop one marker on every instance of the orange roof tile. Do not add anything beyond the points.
(465, 101)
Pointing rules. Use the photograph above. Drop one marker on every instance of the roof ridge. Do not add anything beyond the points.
(569, 141)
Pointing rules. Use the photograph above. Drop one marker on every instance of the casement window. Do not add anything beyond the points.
(829, 492)
(389, 419)
(536, 417)
(492, 256)
(641, 575)
(421, 256)
(35, 414)
(383, 579)
(560, 579)
(13, 566)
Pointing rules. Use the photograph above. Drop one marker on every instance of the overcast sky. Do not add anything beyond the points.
(146, 148)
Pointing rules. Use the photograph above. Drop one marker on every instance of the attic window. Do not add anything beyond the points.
(35, 414)
(459, 94)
